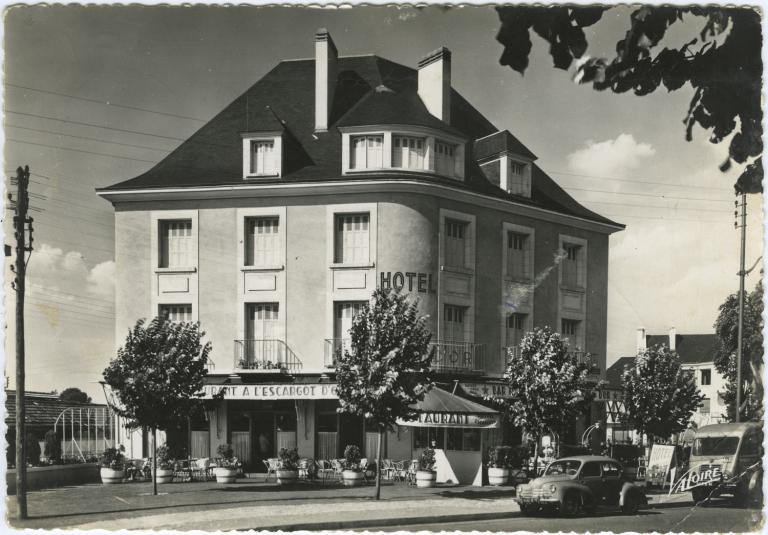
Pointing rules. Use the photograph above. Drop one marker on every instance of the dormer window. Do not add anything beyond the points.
(445, 158)
(408, 152)
(367, 152)
(518, 179)
(262, 155)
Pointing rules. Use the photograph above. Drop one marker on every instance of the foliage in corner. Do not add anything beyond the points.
(74, 394)
(548, 384)
(727, 330)
(386, 369)
(352, 456)
(158, 374)
(427, 460)
(721, 62)
(659, 396)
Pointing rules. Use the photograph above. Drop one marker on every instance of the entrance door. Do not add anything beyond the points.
(263, 425)
(350, 432)
(261, 332)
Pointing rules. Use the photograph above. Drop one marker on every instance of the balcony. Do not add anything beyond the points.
(334, 347)
(458, 357)
(265, 356)
(582, 357)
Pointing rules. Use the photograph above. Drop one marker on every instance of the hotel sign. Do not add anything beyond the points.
(409, 280)
(273, 392)
(452, 419)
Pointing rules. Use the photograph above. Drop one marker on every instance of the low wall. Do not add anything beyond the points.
(46, 477)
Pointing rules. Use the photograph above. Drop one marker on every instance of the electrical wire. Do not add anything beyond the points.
(80, 150)
(51, 132)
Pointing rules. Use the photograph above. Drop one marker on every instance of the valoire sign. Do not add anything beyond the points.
(300, 391)
(452, 419)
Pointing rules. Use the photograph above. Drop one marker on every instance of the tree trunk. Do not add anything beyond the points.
(378, 465)
(536, 455)
(154, 461)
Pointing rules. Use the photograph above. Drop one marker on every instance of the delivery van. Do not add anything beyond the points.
(727, 459)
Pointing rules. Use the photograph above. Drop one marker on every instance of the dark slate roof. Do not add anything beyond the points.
(369, 89)
(42, 409)
(501, 142)
(614, 372)
(692, 348)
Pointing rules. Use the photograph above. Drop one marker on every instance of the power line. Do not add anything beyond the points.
(80, 150)
(650, 195)
(86, 138)
(660, 218)
(106, 102)
(633, 181)
(656, 207)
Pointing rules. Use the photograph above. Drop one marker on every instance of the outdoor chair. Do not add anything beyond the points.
(410, 475)
(271, 465)
(324, 469)
(201, 470)
(306, 468)
(338, 468)
(399, 470)
(387, 469)
(182, 471)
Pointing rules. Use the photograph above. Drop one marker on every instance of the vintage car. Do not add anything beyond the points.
(584, 483)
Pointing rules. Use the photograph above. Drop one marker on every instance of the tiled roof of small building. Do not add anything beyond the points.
(42, 410)
(369, 89)
(692, 348)
(614, 372)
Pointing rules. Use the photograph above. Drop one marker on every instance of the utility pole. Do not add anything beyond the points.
(742, 274)
(20, 222)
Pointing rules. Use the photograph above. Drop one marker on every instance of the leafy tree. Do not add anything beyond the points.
(659, 396)
(726, 330)
(74, 394)
(52, 448)
(721, 62)
(386, 369)
(158, 374)
(548, 385)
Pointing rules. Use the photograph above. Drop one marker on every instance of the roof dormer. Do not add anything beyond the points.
(506, 162)
(262, 154)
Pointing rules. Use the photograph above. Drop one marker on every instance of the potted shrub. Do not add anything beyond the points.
(426, 474)
(287, 466)
(352, 474)
(112, 465)
(164, 465)
(370, 469)
(498, 465)
(226, 470)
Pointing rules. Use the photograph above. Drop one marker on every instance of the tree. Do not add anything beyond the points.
(721, 62)
(157, 376)
(726, 330)
(548, 385)
(659, 396)
(74, 394)
(386, 369)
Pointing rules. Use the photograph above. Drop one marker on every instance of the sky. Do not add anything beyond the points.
(97, 95)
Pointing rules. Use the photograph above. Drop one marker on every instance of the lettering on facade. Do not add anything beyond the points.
(697, 478)
(487, 390)
(303, 391)
(410, 281)
(452, 419)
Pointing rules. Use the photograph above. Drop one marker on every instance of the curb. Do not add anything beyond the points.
(383, 522)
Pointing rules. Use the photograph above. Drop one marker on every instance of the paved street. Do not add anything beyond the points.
(680, 517)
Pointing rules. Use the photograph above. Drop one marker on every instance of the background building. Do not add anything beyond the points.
(330, 176)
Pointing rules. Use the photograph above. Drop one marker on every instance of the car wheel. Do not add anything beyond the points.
(526, 510)
(741, 496)
(630, 506)
(699, 494)
(570, 505)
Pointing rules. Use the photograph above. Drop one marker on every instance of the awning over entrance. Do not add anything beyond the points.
(443, 409)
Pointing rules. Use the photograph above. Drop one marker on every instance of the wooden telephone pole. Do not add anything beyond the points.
(742, 274)
(20, 222)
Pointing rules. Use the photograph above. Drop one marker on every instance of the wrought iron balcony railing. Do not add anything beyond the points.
(334, 347)
(458, 357)
(265, 355)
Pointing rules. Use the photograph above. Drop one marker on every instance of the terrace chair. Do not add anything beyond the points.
(304, 468)
(387, 468)
(202, 470)
(182, 471)
(399, 470)
(410, 474)
(338, 468)
(271, 465)
(324, 469)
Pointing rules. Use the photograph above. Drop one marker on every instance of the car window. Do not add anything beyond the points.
(568, 467)
(610, 470)
(591, 470)
(750, 445)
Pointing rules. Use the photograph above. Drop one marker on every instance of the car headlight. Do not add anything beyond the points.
(518, 489)
(552, 489)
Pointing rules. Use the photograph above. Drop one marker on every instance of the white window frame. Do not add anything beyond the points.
(370, 161)
(530, 233)
(402, 143)
(269, 253)
(429, 136)
(158, 220)
(171, 308)
(582, 275)
(525, 327)
(167, 251)
(359, 254)
(249, 139)
(579, 336)
(332, 212)
(465, 323)
(470, 240)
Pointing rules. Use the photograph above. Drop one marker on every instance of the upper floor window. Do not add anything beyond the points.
(518, 183)
(408, 152)
(263, 158)
(262, 154)
(573, 265)
(445, 158)
(516, 324)
(453, 323)
(175, 244)
(176, 313)
(705, 406)
(519, 255)
(571, 329)
(706, 377)
(262, 242)
(367, 152)
(456, 243)
(351, 243)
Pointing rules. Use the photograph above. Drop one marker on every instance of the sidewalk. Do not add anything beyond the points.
(253, 504)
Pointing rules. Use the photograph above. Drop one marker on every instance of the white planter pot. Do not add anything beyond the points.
(352, 479)
(498, 476)
(225, 475)
(425, 479)
(110, 476)
(164, 475)
(287, 477)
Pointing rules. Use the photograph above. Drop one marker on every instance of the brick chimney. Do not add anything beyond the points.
(641, 339)
(673, 339)
(325, 78)
(435, 83)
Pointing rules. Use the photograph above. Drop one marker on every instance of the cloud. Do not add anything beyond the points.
(69, 276)
(101, 280)
(613, 157)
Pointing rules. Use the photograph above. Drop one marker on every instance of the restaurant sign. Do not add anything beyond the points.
(452, 419)
(281, 391)
(487, 390)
